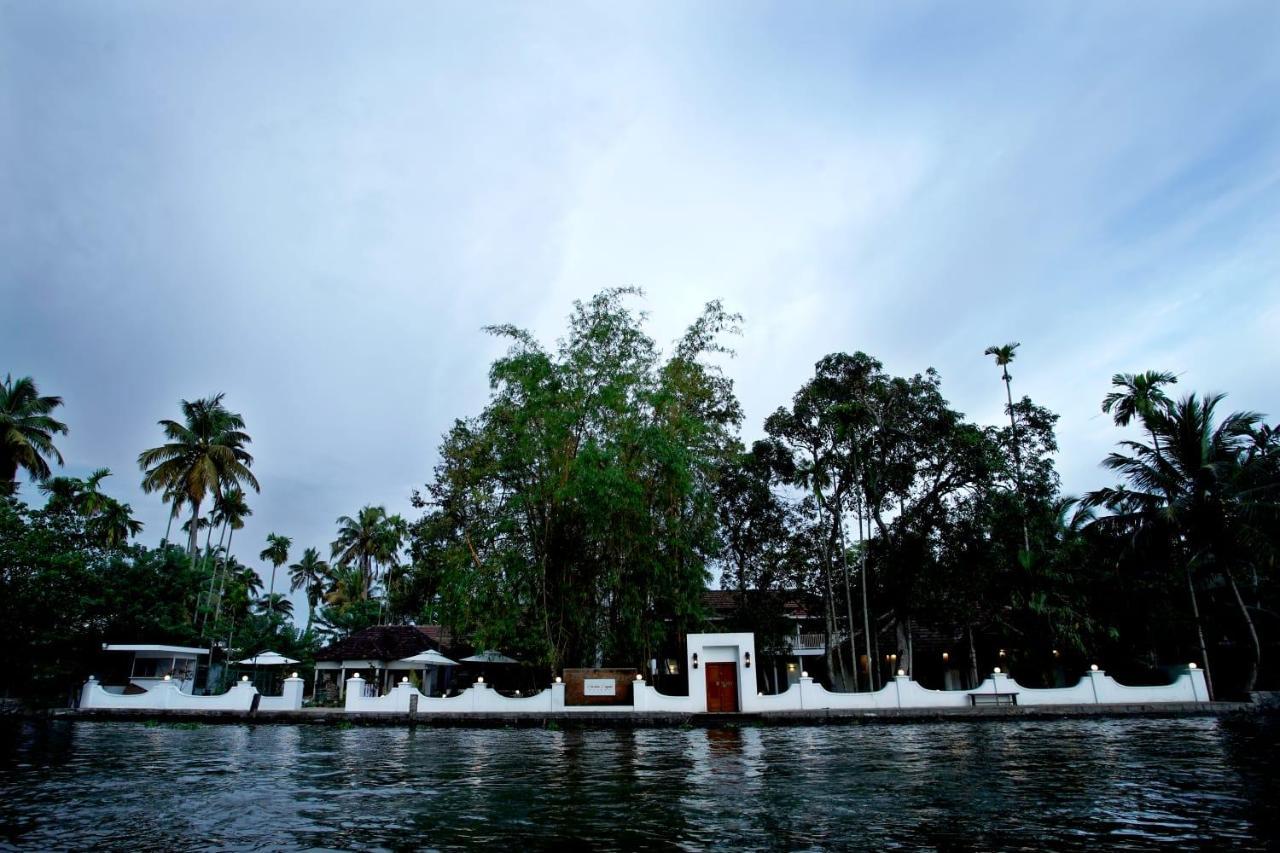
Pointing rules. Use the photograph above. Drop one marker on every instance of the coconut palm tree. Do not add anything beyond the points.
(26, 431)
(309, 573)
(1003, 356)
(370, 539)
(114, 524)
(232, 510)
(274, 603)
(203, 455)
(1198, 489)
(1141, 396)
(277, 551)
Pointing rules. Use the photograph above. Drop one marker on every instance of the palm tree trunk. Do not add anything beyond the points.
(195, 530)
(866, 609)
(1204, 650)
(222, 579)
(1017, 459)
(973, 659)
(173, 513)
(1251, 680)
(848, 598)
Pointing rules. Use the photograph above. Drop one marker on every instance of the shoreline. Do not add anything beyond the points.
(639, 720)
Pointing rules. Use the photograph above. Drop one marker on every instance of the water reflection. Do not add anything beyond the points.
(1080, 784)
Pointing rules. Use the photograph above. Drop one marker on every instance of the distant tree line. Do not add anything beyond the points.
(580, 516)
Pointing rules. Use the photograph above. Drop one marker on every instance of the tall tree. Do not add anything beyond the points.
(1141, 396)
(309, 574)
(1004, 355)
(1199, 487)
(27, 429)
(368, 541)
(577, 511)
(203, 455)
(277, 552)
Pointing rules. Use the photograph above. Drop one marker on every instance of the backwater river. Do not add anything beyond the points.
(1128, 783)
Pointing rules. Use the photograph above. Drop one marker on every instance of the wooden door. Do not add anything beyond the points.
(722, 687)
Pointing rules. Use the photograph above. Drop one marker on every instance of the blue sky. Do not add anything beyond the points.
(316, 207)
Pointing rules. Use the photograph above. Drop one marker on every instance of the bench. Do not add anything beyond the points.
(994, 699)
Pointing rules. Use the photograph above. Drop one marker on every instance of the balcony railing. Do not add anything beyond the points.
(808, 642)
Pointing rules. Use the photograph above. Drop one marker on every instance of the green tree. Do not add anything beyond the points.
(1199, 487)
(309, 574)
(369, 541)
(277, 552)
(27, 429)
(577, 511)
(203, 455)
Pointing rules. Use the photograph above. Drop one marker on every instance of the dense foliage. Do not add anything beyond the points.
(579, 517)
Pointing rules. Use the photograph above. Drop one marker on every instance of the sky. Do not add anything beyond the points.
(315, 208)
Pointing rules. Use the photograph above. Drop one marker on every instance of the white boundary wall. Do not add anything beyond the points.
(167, 697)
(1096, 688)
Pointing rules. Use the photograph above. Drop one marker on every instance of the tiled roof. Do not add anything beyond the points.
(382, 642)
(721, 602)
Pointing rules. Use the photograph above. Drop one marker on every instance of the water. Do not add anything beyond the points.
(1076, 784)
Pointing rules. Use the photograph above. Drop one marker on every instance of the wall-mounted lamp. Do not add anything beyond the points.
(1002, 653)
(695, 660)
(1057, 653)
(946, 656)
(746, 660)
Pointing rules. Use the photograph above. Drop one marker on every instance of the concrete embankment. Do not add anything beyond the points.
(631, 719)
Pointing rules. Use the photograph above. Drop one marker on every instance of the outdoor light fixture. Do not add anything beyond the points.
(946, 656)
(996, 670)
(804, 673)
(1093, 667)
(902, 672)
(295, 675)
(1002, 653)
(557, 679)
(480, 680)
(404, 680)
(167, 677)
(695, 660)
(746, 660)
(639, 677)
(355, 675)
(1191, 665)
(246, 678)
(1056, 653)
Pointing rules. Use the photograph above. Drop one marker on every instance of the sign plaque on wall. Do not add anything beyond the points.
(599, 687)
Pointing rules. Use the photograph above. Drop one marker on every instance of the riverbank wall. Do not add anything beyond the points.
(340, 717)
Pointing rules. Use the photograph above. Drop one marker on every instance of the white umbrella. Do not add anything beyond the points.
(267, 659)
(490, 656)
(430, 657)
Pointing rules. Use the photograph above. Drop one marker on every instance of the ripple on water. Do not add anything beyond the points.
(1077, 784)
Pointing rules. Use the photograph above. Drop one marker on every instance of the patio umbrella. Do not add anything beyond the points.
(490, 656)
(430, 657)
(267, 658)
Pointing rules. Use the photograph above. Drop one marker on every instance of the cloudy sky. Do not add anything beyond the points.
(314, 207)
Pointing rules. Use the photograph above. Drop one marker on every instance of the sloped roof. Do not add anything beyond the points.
(381, 642)
(721, 602)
